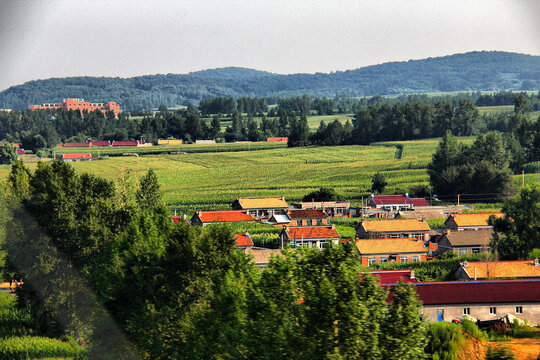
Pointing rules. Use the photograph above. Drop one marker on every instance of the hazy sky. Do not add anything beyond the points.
(42, 39)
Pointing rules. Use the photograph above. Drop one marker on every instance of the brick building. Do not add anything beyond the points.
(79, 104)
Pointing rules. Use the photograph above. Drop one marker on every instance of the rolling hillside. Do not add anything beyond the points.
(470, 71)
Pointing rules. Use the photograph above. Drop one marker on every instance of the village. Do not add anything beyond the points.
(393, 229)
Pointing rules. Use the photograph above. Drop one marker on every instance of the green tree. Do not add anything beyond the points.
(521, 105)
(8, 154)
(149, 194)
(378, 182)
(517, 232)
(323, 194)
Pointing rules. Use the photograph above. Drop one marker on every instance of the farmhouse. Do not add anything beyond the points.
(374, 251)
(312, 217)
(398, 228)
(99, 143)
(483, 300)
(279, 219)
(480, 270)
(205, 142)
(261, 257)
(204, 218)
(262, 208)
(396, 202)
(463, 242)
(243, 240)
(311, 236)
(170, 142)
(276, 139)
(468, 221)
(76, 157)
(125, 143)
(331, 208)
(77, 144)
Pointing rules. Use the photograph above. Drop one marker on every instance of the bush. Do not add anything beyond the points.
(470, 328)
(445, 339)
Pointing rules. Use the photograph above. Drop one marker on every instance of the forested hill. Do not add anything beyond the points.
(470, 71)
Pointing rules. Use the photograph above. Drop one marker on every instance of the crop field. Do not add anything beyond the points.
(212, 180)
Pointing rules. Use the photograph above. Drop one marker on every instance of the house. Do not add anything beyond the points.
(396, 202)
(243, 240)
(386, 277)
(422, 214)
(483, 300)
(374, 251)
(331, 208)
(177, 219)
(470, 221)
(125, 143)
(262, 207)
(396, 228)
(76, 157)
(480, 270)
(76, 145)
(276, 139)
(204, 218)
(20, 151)
(463, 242)
(170, 142)
(205, 142)
(311, 217)
(79, 104)
(99, 143)
(261, 257)
(311, 236)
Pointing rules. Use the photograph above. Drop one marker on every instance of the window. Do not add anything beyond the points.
(462, 252)
(416, 258)
(371, 260)
(404, 259)
(519, 310)
(475, 250)
(493, 310)
(383, 259)
(466, 311)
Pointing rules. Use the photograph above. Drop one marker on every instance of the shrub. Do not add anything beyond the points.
(445, 339)
(470, 328)
(499, 353)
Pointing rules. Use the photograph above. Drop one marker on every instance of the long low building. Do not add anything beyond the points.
(482, 300)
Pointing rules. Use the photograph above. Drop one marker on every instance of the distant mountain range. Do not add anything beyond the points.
(485, 70)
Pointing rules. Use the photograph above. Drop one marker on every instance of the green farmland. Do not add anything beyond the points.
(212, 180)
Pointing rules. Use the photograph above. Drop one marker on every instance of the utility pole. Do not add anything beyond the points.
(457, 199)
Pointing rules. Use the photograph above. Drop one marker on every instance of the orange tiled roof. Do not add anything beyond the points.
(262, 256)
(503, 269)
(77, 156)
(224, 216)
(389, 246)
(243, 239)
(263, 202)
(394, 225)
(311, 232)
(474, 219)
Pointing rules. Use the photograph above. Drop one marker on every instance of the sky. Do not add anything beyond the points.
(57, 38)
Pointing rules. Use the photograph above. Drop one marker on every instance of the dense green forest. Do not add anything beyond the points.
(470, 71)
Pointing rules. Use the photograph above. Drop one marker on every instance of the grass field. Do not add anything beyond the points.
(212, 180)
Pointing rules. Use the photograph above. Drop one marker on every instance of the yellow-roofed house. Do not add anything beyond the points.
(516, 269)
(470, 221)
(374, 251)
(262, 207)
(397, 228)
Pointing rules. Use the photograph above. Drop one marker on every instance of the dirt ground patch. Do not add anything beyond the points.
(523, 349)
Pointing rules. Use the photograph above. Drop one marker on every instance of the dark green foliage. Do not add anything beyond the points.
(299, 132)
(472, 330)
(474, 70)
(517, 233)
(479, 169)
(378, 183)
(323, 194)
(8, 154)
(149, 195)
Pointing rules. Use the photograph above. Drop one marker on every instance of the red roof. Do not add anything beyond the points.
(466, 292)
(17, 145)
(125, 143)
(99, 143)
(76, 145)
(272, 139)
(420, 202)
(243, 240)
(20, 151)
(224, 216)
(391, 199)
(311, 232)
(393, 276)
(76, 156)
(307, 214)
